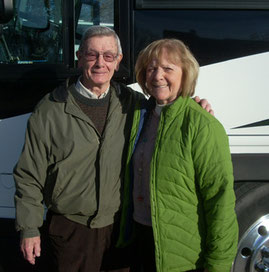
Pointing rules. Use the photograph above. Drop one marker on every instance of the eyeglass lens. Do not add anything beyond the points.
(108, 56)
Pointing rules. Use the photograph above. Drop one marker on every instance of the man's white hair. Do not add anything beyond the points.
(98, 30)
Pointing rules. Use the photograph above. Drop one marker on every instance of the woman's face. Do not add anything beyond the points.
(163, 79)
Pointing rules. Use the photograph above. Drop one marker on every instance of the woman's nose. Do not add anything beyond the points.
(158, 74)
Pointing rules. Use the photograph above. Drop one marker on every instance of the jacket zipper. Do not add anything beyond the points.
(153, 185)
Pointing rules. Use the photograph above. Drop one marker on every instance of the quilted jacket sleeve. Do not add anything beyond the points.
(214, 174)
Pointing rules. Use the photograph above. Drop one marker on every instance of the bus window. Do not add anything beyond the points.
(204, 4)
(38, 45)
(34, 35)
(6, 11)
(93, 12)
(212, 35)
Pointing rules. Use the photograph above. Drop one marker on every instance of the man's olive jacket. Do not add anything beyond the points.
(68, 166)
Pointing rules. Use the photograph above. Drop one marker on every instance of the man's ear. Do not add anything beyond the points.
(119, 58)
(78, 54)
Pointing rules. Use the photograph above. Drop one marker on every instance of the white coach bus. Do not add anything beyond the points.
(230, 39)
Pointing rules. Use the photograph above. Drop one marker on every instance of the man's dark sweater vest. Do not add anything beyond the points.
(95, 109)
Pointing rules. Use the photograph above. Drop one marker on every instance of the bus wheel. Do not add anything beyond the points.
(252, 209)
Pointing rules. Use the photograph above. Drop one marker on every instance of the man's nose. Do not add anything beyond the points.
(100, 60)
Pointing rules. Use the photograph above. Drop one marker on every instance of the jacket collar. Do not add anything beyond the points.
(173, 109)
(60, 94)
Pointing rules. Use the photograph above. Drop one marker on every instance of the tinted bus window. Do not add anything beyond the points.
(93, 12)
(34, 35)
(202, 4)
(212, 35)
(37, 47)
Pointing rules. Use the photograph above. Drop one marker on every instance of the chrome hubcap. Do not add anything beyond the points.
(253, 248)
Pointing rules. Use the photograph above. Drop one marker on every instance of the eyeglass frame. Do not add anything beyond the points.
(98, 54)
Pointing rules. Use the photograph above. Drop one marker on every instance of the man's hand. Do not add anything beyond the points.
(31, 248)
(204, 104)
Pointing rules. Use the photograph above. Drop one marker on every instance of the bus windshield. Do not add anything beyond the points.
(35, 33)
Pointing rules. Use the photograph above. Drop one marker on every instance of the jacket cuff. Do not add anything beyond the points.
(29, 233)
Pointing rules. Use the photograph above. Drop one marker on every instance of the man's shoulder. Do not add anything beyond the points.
(57, 95)
(52, 102)
(126, 92)
(43, 104)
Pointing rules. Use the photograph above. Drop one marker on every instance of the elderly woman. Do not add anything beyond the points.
(178, 195)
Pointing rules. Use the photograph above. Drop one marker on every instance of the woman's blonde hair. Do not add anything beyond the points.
(178, 54)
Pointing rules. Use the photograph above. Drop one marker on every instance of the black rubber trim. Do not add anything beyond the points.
(251, 167)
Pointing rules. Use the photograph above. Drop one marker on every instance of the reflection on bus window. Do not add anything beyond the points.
(34, 35)
(93, 12)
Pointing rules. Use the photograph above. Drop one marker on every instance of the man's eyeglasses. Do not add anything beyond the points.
(92, 56)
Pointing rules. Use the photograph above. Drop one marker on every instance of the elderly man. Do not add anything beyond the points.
(72, 160)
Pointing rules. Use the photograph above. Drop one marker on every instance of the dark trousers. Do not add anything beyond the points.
(144, 251)
(77, 248)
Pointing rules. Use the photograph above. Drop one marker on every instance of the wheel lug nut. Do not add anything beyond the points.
(265, 252)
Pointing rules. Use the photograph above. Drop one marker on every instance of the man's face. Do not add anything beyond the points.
(99, 59)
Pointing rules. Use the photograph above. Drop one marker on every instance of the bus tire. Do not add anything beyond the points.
(252, 211)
